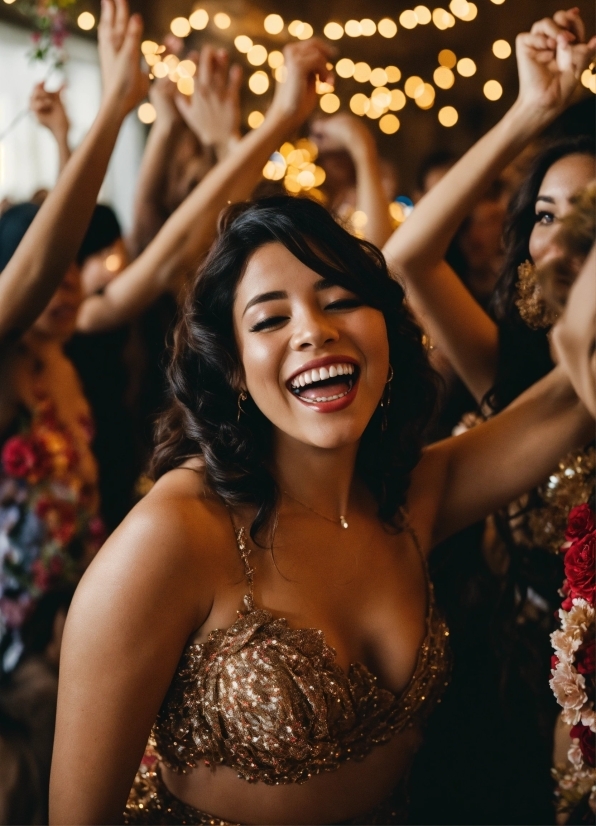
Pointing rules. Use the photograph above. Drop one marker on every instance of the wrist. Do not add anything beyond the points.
(527, 118)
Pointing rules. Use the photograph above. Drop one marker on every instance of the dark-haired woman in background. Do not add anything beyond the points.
(506, 614)
(293, 495)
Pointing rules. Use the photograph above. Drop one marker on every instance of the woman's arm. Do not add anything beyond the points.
(149, 588)
(348, 133)
(187, 234)
(480, 471)
(50, 112)
(550, 60)
(51, 243)
(149, 209)
(574, 335)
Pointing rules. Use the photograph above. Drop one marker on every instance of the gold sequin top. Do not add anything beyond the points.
(272, 703)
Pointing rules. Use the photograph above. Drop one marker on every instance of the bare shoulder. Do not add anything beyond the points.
(173, 548)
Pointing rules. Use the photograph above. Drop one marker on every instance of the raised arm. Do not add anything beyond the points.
(476, 473)
(550, 60)
(350, 134)
(149, 214)
(50, 112)
(187, 234)
(52, 242)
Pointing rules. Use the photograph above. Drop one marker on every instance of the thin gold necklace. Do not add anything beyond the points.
(342, 519)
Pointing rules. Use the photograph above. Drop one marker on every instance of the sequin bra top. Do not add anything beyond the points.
(272, 703)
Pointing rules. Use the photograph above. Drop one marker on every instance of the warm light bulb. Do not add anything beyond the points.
(501, 49)
(146, 113)
(389, 124)
(353, 28)
(408, 19)
(466, 67)
(199, 19)
(86, 21)
(444, 77)
(243, 43)
(255, 119)
(362, 72)
(186, 86)
(423, 15)
(273, 24)
(359, 104)
(258, 83)
(275, 59)
(187, 68)
(426, 99)
(387, 27)
(149, 47)
(492, 89)
(448, 116)
(414, 86)
(393, 74)
(447, 58)
(257, 55)
(378, 77)
(344, 67)
(180, 27)
(398, 100)
(333, 31)
(368, 27)
(222, 20)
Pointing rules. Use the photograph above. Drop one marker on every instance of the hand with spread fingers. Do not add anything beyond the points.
(162, 95)
(213, 109)
(551, 58)
(119, 42)
(296, 97)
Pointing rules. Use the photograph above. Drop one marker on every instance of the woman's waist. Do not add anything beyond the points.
(336, 796)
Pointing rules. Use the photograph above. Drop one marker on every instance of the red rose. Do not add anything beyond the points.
(586, 742)
(21, 457)
(554, 662)
(585, 658)
(579, 568)
(580, 522)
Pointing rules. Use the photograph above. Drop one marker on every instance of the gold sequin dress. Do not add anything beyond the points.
(272, 703)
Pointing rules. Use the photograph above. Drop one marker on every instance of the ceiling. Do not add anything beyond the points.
(413, 51)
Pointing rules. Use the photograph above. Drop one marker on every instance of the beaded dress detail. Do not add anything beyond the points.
(272, 703)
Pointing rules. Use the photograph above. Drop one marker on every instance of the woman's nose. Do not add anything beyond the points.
(313, 331)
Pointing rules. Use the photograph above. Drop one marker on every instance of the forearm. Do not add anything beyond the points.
(186, 236)
(64, 151)
(52, 242)
(422, 241)
(370, 194)
(148, 211)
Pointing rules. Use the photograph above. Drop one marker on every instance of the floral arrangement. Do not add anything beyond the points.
(48, 523)
(574, 661)
(50, 24)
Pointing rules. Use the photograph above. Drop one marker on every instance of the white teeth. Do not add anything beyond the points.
(321, 399)
(323, 373)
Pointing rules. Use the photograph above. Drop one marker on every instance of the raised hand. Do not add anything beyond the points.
(49, 110)
(551, 58)
(162, 95)
(213, 110)
(119, 40)
(341, 131)
(295, 98)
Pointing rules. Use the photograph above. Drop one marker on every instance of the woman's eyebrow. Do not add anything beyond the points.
(324, 284)
(546, 198)
(259, 299)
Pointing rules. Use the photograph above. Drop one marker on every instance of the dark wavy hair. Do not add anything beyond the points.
(524, 354)
(204, 368)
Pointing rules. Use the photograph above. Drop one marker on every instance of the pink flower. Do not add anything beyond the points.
(580, 522)
(568, 687)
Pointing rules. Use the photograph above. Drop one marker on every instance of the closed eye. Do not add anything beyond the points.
(268, 323)
(345, 304)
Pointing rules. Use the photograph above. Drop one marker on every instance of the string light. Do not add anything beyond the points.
(426, 99)
(180, 26)
(222, 20)
(255, 119)
(362, 72)
(273, 24)
(471, 13)
(393, 74)
(378, 77)
(345, 67)
(86, 21)
(186, 86)
(243, 43)
(501, 49)
(448, 116)
(423, 15)
(387, 27)
(447, 58)
(275, 59)
(329, 103)
(368, 27)
(492, 89)
(187, 68)
(466, 67)
(146, 113)
(408, 19)
(160, 70)
(199, 19)
(149, 47)
(398, 100)
(258, 83)
(443, 77)
(359, 104)
(498, 2)
(257, 55)
(588, 78)
(389, 124)
(353, 28)
(442, 19)
(414, 86)
(333, 31)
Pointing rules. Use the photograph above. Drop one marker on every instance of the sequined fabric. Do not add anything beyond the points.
(272, 703)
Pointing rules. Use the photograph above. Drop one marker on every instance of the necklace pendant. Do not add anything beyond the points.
(343, 522)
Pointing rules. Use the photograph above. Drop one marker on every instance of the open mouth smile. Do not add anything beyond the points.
(328, 388)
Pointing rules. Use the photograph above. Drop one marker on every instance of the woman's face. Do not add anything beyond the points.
(58, 321)
(562, 182)
(101, 268)
(315, 358)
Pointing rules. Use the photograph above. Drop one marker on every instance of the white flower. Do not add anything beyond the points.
(577, 621)
(565, 645)
(589, 716)
(574, 755)
(568, 687)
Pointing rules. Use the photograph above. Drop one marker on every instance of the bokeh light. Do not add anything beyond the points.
(199, 19)
(362, 72)
(180, 26)
(186, 86)
(146, 113)
(255, 119)
(86, 21)
(414, 86)
(501, 49)
(333, 31)
(408, 19)
(368, 27)
(447, 58)
(258, 83)
(329, 103)
(257, 55)
(448, 116)
(273, 24)
(443, 77)
(492, 90)
(398, 100)
(393, 74)
(378, 77)
(387, 27)
(222, 20)
(423, 15)
(426, 99)
(344, 67)
(243, 43)
(353, 28)
(275, 59)
(389, 124)
(466, 67)
(359, 104)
